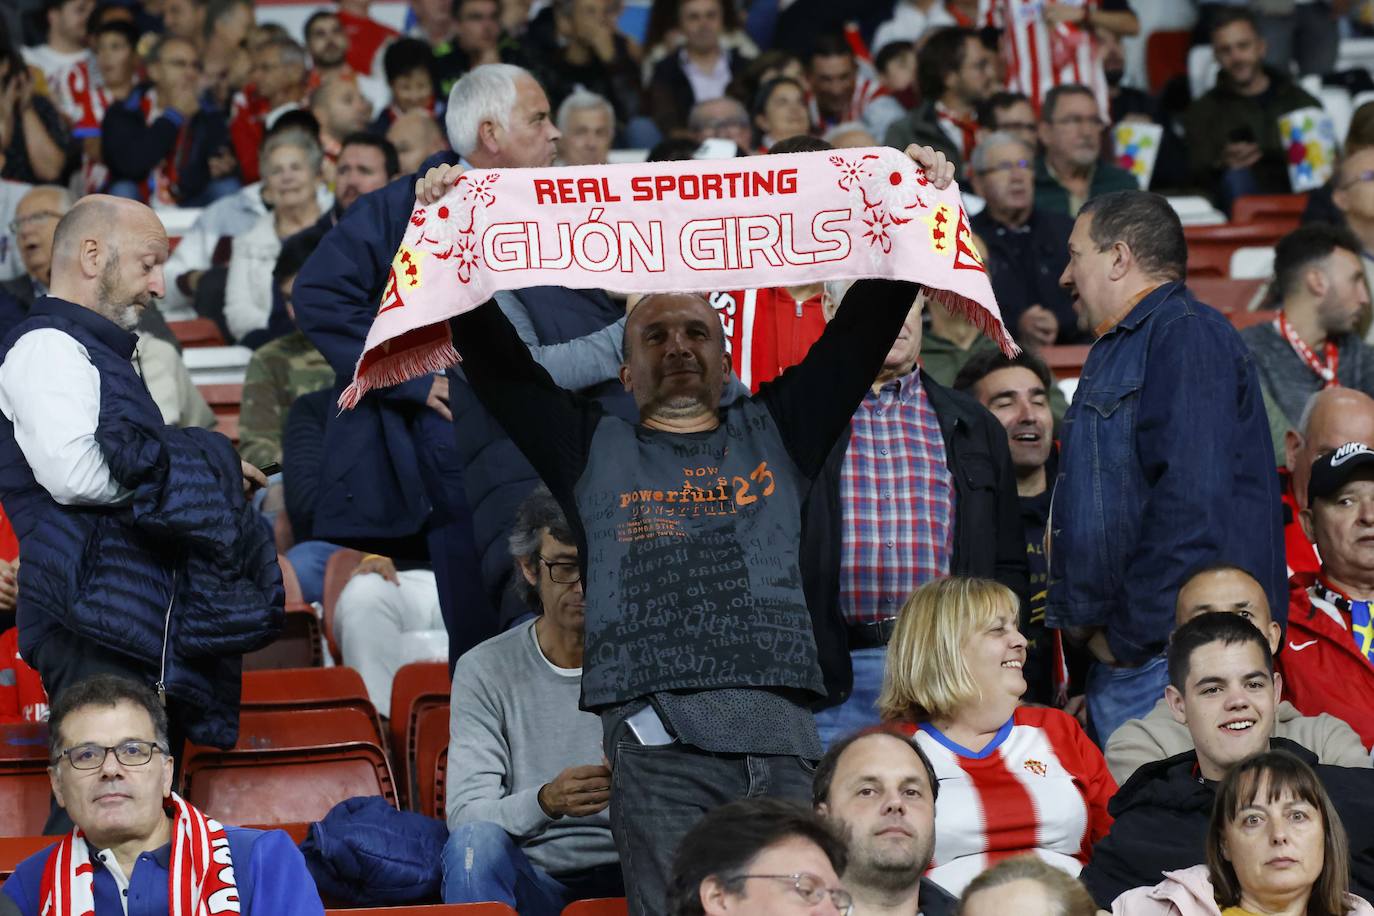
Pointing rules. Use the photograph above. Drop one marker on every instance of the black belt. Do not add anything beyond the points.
(871, 635)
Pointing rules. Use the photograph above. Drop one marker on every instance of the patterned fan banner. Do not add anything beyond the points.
(764, 221)
(1309, 135)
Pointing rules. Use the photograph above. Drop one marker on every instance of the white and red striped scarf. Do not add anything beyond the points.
(201, 881)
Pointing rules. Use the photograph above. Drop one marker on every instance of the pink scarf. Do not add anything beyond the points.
(201, 873)
(763, 221)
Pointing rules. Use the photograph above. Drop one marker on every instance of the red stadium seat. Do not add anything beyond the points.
(25, 790)
(225, 401)
(310, 688)
(1066, 361)
(1278, 208)
(1210, 247)
(1166, 56)
(438, 909)
(1225, 294)
(300, 643)
(15, 849)
(198, 332)
(336, 574)
(416, 687)
(1209, 261)
(431, 743)
(604, 906)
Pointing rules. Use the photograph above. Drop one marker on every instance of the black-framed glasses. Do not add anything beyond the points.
(1018, 165)
(133, 753)
(812, 889)
(21, 222)
(564, 572)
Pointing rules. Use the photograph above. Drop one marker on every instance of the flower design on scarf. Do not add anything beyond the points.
(854, 173)
(884, 184)
(480, 191)
(465, 256)
(877, 233)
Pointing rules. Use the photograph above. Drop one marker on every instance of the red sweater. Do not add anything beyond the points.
(767, 331)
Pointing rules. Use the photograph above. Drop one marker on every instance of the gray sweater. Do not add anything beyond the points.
(1288, 382)
(515, 726)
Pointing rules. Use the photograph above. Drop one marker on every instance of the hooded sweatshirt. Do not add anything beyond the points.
(1189, 893)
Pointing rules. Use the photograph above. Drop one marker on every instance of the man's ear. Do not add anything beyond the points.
(1292, 443)
(625, 376)
(1278, 688)
(1308, 525)
(822, 809)
(529, 570)
(56, 782)
(1316, 281)
(486, 136)
(1122, 259)
(1175, 701)
(714, 898)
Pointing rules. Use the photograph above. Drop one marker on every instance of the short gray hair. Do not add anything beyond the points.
(294, 136)
(582, 99)
(695, 117)
(539, 512)
(289, 53)
(997, 138)
(847, 127)
(485, 93)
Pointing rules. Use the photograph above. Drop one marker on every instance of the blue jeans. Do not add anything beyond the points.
(309, 559)
(482, 864)
(861, 709)
(1116, 694)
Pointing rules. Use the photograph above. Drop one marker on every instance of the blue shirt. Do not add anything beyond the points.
(268, 868)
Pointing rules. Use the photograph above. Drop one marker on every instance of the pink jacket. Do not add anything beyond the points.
(1189, 893)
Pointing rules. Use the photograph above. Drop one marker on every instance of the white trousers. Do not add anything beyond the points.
(380, 627)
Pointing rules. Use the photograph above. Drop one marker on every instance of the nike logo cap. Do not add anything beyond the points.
(1333, 471)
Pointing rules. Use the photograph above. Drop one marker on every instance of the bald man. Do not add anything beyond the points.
(1330, 419)
(416, 137)
(1228, 590)
(140, 554)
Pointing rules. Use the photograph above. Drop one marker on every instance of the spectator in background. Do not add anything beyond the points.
(1320, 206)
(33, 137)
(1332, 417)
(417, 137)
(1011, 112)
(850, 135)
(578, 43)
(291, 178)
(949, 343)
(840, 93)
(759, 856)
(956, 73)
(1188, 463)
(366, 36)
(1331, 669)
(22, 697)
(65, 47)
(1027, 247)
(97, 86)
(409, 67)
(780, 112)
(1354, 197)
(880, 789)
(697, 72)
(896, 66)
(1071, 171)
(529, 824)
(768, 66)
(185, 19)
(955, 682)
(911, 19)
(1305, 35)
(1017, 392)
(327, 43)
(226, 61)
(433, 22)
(909, 453)
(366, 163)
(587, 124)
(1312, 344)
(279, 77)
(478, 41)
(1027, 886)
(1157, 736)
(724, 118)
(341, 110)
(1232, 131)
(1221, 674)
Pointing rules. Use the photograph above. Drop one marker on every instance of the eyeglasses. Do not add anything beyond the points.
(1361, 178)
(21, 222)
(564, 573)
(1020, 165)
(1079, 121)
(92, 756)
(812, 889)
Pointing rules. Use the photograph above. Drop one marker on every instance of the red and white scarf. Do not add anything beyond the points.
(201, 874)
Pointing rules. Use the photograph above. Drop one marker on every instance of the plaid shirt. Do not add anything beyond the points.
(898, 499)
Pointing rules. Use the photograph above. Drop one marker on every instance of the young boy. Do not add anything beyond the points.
(409, 67)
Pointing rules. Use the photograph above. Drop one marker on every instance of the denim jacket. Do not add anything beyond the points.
(1166, 468)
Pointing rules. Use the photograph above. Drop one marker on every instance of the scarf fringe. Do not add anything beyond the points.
(384, 371)
(979, 317)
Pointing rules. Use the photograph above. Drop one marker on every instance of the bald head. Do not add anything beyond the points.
(1332, 417)
(416, 136)
(1227, 590)
(107, 255)
(675, 362)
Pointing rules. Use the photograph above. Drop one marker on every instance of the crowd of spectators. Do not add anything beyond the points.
(1005, 652)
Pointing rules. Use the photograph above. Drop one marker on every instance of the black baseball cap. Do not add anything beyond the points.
(1332, 471)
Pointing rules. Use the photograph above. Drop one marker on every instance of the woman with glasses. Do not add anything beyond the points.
(1013, 779)
(1275, 845)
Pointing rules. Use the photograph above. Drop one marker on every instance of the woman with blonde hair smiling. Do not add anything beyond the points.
(1013, 779)
(1275, 847)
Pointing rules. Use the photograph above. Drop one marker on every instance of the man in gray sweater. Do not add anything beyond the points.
(528, 813)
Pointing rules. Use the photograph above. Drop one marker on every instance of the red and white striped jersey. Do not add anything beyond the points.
(84, 100)
(867, 87)
(1040, 786)
(767, 331)
(1040, 56)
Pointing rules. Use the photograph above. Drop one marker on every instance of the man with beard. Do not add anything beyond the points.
(1071, 171)
(880, 788)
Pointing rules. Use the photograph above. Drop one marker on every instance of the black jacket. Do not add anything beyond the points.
(989, 540)
(1162, 812)
(669, 97)
(133, 148)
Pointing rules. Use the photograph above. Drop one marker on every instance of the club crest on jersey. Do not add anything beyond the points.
(1036, 767)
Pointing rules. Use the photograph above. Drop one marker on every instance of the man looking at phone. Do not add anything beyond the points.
(1233, 130)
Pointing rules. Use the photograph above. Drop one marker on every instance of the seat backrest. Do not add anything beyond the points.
(25, 798)
(1253, 262)
(1206, 261)
(297, 686)
(1166, 56)
(298, 645)
(224, 397)
(436, 909)
(15, 849)
(1273, 207)
(602, 906)
(431, 740)
(270, 728)
(414, 682)
(1065, 361)
(1243, 320)
(1225, 294)
(198, 332)
(24, 741)
(336, 574)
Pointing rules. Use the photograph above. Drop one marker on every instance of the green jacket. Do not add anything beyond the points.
(1051, 196)
(1212, 120)
(921, 127)
(279, 372)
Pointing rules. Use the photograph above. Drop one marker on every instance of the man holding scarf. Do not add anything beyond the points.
(136, 839)
(701, 658)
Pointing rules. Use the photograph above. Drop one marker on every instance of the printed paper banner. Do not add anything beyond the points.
(761, 221)
(1137, 149)
(1309, 135)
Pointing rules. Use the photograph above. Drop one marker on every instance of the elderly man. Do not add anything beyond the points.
(1071, 171)
(279, 77)
(1329, 662)
(392, 474)
(723, 118)
(416, 136)
(529, 823)
(674, 714)
(1027, 247)
(111, 770)
(587, 123)
(140, 554)
(1168, 419)
(1158, 735)
(1312, 344)
(880, 788)
(1221, 674)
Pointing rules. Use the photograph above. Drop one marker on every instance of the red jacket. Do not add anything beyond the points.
(767, 331)
(1322, 669)
(1301, 553)
(365, 38)
(22, 698)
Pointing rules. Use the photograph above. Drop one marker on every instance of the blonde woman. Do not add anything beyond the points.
(1013, 779)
